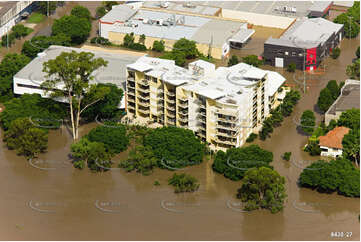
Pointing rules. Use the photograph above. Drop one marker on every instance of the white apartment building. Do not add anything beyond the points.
(222, 106)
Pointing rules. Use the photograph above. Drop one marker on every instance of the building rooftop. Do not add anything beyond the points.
(306, 33)
(114, 72)
(320, 6)
(225, 84)
(172, 26)
(186, 7)
(119, 13)
(6, 6)
(333, 139)
(349, 97)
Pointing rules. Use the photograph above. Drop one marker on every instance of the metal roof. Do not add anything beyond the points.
(320, 6)
(119, 13)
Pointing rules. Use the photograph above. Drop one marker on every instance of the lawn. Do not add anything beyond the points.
(36, 18)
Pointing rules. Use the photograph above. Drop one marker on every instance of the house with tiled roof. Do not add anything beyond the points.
(331, 143)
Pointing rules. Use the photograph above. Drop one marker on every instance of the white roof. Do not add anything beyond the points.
(242, 35)
(275, 81)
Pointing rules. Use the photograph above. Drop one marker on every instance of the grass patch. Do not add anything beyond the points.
(36, 18)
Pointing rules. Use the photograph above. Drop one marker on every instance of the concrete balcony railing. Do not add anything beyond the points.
(225, 112)
(171, 93)
(171, 108)
(183, 105)
(144, 111)
(227, 127)
(171, 101)
(143, 104)
(226, 134)
(227, 142)
(144, 83)
(143, 98)
(227, 120)
(183, 112)
(183, 120)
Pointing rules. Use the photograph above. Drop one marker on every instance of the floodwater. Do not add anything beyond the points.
(59, 202)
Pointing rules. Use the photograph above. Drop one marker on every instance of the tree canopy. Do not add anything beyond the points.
(26, 139)
(115, 139)
(78, 29)
(252, 60)
(177, 146)
(263, 188)
(337, 175)
(308, 122)
(81, 12)
(183, 183)
(74, 70)
(234, 163)
(351, 27)
(328, 95)
(350, 118)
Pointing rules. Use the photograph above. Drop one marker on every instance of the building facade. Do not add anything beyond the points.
(306, 43)
(222, 106)
(331, 143)
(10, 13)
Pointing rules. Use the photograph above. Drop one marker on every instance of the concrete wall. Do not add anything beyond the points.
(117, 38)
(265, 20)
(331, 152)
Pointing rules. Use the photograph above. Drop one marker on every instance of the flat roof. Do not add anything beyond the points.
(242, 35)
(320, 6)
(306, 33)
(114, 72)
(189, 7)
(349, 98)
(119, 13)
(176, 26)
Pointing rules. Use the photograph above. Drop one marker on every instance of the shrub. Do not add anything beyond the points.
(251, 137)
(252, 60)
(233, 60)
(158, 46)
(183, 183)
(291, 67)
(287, 156)
(335, 53)
(100, 40)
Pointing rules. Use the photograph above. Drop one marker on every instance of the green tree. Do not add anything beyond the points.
(291, 67)
(115, 139)
(177, 56)
(26, 139)
(100, 12)
(353, 70)
(175, 146)
(350, 118)
(334, 89)
(337, 175)
(335, 53)
(91, 153)
(351, 146)
(252, 60)
(233, 60)
(37, 44)
(78, 29)
(263, 188)
(158, 46)
(236, 161)
(9, 66)
(141, 159)
(107, 107)
(81, 12)
(183, 183)
(358, 52)
(20, 31)
(74, 70)
(142, 39)
(308, 122)
(128, 40)
(351, 28)
(287, 156)
(109, 4)
(188, 47)
(325, 99)
(354, 11)
(45, 6)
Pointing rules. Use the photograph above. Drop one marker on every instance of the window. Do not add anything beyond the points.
(154, 80)
(286, 53)
(147, 77)
(294, 53)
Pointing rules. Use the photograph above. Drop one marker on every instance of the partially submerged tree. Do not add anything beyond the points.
(68, 77)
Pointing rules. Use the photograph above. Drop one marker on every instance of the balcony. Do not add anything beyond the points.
(143, 89)
(144, 111)
(143, 104)
(226, 134)
(144, 83)
(131, 98)
(171, 115)
(144, 97)
(183, 112)
(202, 135)
(171, 101)
(225, 112)
(227, 127)
(183, 99)
(171, 93)
(227, 142)
(131, 107)
(183, 104)
(170, 108)
(130, 79)
(183, 120)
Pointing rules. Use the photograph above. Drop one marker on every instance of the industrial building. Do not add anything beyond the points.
(306, 43)
(222, 106)
(348, 99)
(29, 79)
(211, 34)
(320, 9)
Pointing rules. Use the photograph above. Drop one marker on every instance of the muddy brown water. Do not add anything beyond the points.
(63, 203)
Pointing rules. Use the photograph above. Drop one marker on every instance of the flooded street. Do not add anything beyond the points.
(59, 202)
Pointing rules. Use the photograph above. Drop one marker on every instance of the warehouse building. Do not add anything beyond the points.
(348, 99)
(212, 34)
(222, 106)
(307, 42)
(29, 79)
(320, 9)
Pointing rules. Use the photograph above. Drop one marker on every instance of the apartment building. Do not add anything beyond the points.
(222, 106)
